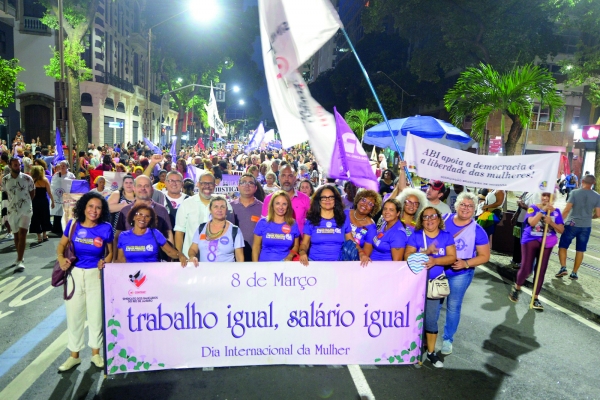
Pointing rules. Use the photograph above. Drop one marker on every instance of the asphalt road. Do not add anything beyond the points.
(501, 350)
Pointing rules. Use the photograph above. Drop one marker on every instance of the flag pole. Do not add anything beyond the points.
(540, 257)
(360, 64)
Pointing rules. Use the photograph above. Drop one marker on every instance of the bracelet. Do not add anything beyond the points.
(466, 262)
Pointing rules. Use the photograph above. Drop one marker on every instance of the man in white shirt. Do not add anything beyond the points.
(434, 194)
(193, 212)
(173, 195)
(20, 190)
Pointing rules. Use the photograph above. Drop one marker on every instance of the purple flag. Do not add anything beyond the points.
(60, 155)
(349, 160)
(174, 148)
(191, 170)
(152, 146)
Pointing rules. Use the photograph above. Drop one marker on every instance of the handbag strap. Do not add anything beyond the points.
(70, 295)
(465, 227)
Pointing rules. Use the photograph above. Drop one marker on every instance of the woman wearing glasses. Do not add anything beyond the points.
(326, 228)
(472, 249)
(389, 241)
(413, 202)
(217, 240)
(143, 242)
(367, 203)
(431, 239)
(276, 238)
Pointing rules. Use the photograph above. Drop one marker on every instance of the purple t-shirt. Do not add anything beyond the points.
(443, 240)
(466, 241)
(536, 232)
(385, 241)
(361, 234)
(143, 248)
(277, 239)
(326, 239)
(90, 243)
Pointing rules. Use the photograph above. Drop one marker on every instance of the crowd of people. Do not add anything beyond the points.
(283, 209)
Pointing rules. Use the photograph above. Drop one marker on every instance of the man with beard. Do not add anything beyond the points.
(300, 201)
(20, 190)
(193, 212)
(143, 194)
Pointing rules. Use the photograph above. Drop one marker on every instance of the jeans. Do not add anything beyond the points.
(432, 314)
(458, 288)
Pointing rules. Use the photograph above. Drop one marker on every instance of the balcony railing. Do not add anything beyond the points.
(117, 82)
(34, 25)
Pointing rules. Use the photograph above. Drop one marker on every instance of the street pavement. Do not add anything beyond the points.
(501, 351)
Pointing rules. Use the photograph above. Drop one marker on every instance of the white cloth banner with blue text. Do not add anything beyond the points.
(162, 316)
(531, 173)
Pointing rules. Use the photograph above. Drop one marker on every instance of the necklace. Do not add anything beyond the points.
(411, 222)
(356, 218)
(211, 235)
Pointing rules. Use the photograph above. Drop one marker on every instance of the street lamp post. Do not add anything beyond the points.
(403, 91)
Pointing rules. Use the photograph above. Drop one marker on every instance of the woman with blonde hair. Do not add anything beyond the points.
(276, 237)
(40, 218)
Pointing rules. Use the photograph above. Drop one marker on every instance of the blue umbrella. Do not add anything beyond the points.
(423, 126)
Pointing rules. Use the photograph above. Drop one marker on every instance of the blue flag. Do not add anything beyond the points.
(257, 138)
(174, 148)
(152, 146)
(60, 154)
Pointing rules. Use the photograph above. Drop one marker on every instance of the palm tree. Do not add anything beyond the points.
(482, 91)
(360, 120)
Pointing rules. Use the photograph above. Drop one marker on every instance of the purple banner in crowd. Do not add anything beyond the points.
(349, 160)
(229, 184)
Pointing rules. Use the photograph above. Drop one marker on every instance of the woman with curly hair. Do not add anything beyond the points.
(389, 240)
(431, 239)
(143, 242)
(92, 237)
(413, 201)
(367, 203)
(326, 228)
(119, 199)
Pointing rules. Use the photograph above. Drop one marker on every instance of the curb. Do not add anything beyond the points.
(511, 274)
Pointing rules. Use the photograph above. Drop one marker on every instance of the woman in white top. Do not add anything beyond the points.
(271, 185)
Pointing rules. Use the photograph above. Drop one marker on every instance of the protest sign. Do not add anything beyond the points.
(531, 173)
(229, 184)
(163, 316)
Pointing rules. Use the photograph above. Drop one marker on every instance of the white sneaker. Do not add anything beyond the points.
(447, 347)
(70, 363)
(9, 236)
(98, 361)
(20, 267)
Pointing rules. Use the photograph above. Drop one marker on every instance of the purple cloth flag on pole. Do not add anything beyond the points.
(349, 160)
(192, 172)
(152, 146)
(257, 138)
(60, 155)
(174, 148)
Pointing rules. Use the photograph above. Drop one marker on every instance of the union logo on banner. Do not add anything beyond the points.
(138, 278)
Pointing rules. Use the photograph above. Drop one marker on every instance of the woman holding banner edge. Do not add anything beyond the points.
(276, 237)
(431, 239)
(472, 250)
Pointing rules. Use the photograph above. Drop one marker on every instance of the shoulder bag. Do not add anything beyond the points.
(59, 277)
(438, 287)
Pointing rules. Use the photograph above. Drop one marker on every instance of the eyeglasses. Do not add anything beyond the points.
(327, 198)
(411, 203)
(174, 181)
(138, 214)
(364, 200)
(430, 217)
(207, 184)
(247, 183)
(467, 206)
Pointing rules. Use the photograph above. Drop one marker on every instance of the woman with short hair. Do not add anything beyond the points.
(271, 183)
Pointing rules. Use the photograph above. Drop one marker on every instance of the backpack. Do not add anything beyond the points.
(572, 179)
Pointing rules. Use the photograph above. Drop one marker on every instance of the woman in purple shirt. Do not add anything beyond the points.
(276, 237)
(539, 214)
(390, 240)
(326, 228)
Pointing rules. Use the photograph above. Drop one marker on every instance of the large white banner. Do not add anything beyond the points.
(531, 173)
(163, 316)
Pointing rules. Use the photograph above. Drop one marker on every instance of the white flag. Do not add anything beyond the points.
(213, 114)
(298, 116)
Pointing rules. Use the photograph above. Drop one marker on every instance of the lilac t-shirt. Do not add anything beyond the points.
(90, 243)
(466, 241)
(536, 232)
(443, 240)
(326, 239)
(277, 239)
(385, 241)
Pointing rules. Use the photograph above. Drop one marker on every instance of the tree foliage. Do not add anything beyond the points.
(482, 91)
(449, 34)
(360, 120)
(9, 87)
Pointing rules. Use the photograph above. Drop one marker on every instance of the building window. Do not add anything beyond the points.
(86, 99)
(109, 103)
(540, 119)
(2, 42)
(136, 110)
(576, 114)
(121, 107)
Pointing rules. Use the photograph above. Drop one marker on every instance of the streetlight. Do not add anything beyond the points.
(403, 91)
(202, 9)
(241, 102)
